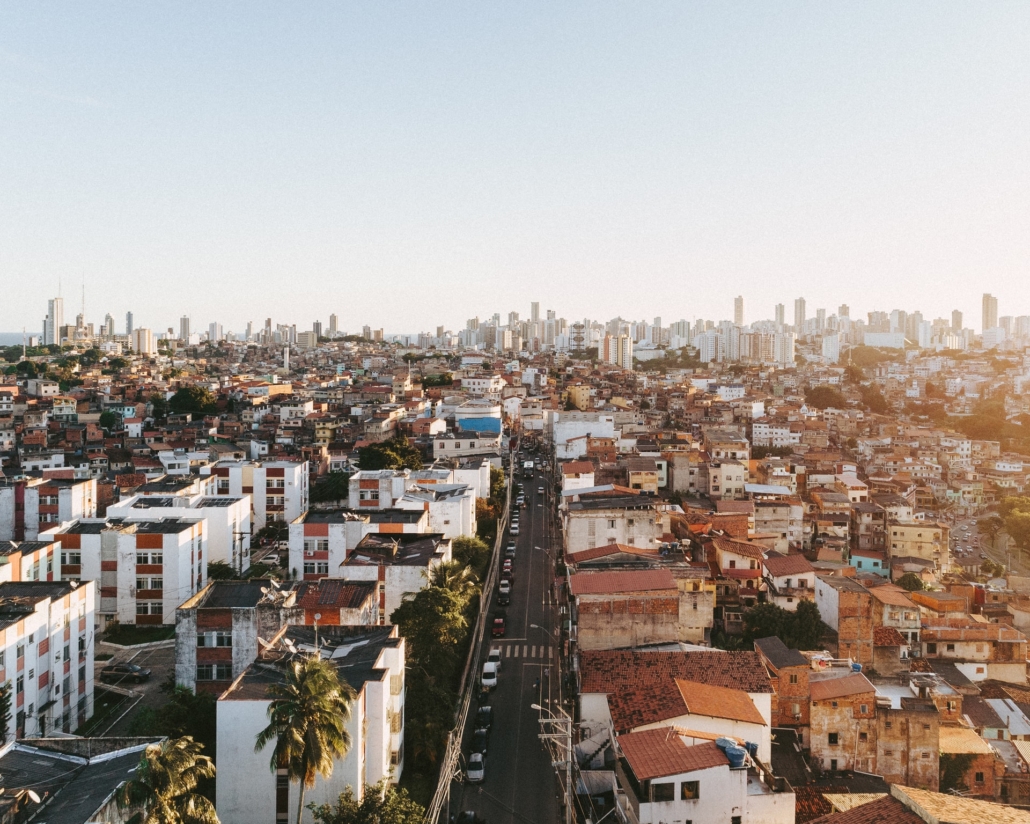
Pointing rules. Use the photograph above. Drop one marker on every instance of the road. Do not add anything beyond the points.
(999, 552)
(519, 783)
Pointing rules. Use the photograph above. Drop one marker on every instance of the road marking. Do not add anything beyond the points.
(516, 650)
(525, 651)
(534, 650)
(507, 653)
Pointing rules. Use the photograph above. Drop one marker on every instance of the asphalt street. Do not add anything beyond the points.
(519, 783)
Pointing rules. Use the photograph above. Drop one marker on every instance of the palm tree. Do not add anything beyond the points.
(308, 718)
(454, 576)
(163, 790)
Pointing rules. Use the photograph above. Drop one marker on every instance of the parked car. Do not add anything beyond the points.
(495, 656)
(480, 740)
(484, 717)
(508, 574)
(539, 490)
(476, 768)
(514, 529)
(509, 550)
(121, 673)
(469, 817)
(504, 588)
(489, 678)
(503, 599)
(498, 629)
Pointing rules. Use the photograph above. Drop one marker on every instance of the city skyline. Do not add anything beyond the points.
(504, 152)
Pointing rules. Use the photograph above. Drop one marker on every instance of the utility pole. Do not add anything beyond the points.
(558, 728)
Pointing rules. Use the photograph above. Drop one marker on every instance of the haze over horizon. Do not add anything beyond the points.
(410, 167)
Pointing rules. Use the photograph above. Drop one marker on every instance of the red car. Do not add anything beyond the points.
(498, 628)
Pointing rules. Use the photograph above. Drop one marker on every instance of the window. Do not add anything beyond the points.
(214, 639)
(863, 708)
(316, 544)
(689, 790)
(2, 656)
(19, 685)
(20, 651)
(156, 558)
(951, 647)
(734, 819)
(322, 568)
(150, 583)
(733, 564)
(925, 755)
(888, 753)
(611, 524)
(309, 568)
(979, 777)
(863, 737)
(793, 678)
(931, 649)
(833, 739)
(275, 483)
(833, 764)
(666, 791)
(71, 558)
(926, 727)
(833, 704)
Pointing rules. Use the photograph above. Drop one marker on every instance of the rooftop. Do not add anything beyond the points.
(610, 583)
(661, 752)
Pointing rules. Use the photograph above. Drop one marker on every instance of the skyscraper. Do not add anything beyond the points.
(799, 316)
(333, 328)
(780, 311)
(534, 311)
(990, 312)
(184, 328)
(844, 311)
(956, 321)
(53, 323)
(738, 311)
(128, 324)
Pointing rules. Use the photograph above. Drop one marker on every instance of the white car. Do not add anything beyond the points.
(476, 768)
(504, 587)
(489, 679)
(494, 657)
(513, 529)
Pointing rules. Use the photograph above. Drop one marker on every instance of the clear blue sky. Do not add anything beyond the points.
(409, 164)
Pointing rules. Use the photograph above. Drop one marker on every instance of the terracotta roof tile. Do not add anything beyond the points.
(661, 752)
(884, 810)
(609, 583)
(777, 565)
(827, 688)
(719, 702)
(756, 551)
(888, 637)
(641, 685)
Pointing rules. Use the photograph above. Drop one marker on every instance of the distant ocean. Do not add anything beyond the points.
(14, 338)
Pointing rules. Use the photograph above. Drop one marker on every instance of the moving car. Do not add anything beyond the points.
(539, 490)
(498, 629)
(489, 678)
(476, 768)
(120, 673)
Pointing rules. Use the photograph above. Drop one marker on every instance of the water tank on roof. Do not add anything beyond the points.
(856, 667)
(752, 749)
(737, 756)
(725, 743)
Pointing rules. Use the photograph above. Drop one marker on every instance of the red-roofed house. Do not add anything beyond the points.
(790, 579)
(667, 779)
(628, 608)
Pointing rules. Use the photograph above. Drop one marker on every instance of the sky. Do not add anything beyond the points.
(408, 165)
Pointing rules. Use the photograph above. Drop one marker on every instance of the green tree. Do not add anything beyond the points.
(443, 379)
(308, 717)
(801, 629)
(873, 399)
(471, 552)
(456, 577)
(108, 420)
(825, 397)
(220, 571)
(911, 582)
(433, 622)
(159, 404)
(382, 804)
(333, 487)
(162, 791)
(991, 526)
(117, 363)
(396, 453)
(953, 769)
(183, 714)
(193, 399)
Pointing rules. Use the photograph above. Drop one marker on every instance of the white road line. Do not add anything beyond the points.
(525, 651)
(507, 651)
(534, 650)
(516, 650)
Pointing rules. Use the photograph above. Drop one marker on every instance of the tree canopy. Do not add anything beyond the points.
(162, 790)
(193, 399)
(381, 804)
(396, 453)
(1015, 514)
(911, 582)
(825, 397)
(802, 629)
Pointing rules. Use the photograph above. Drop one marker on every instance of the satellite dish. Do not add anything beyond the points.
(32, 794)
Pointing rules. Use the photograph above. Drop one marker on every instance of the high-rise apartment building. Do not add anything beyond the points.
(108, 325)
(184, 328)
(780, 312)
(53, 322)
(844, 311)
(214, 332)
(128, 324)
(333, 324)
(990, 312)
(316, 328)
(534, 311)
(143, 342)
(618, 350)
(799, 316)
(956, 321)
(738, 311)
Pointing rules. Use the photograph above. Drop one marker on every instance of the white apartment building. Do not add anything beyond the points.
(401, 563)
(484, 386)
(278, 489)
(30, 561)
(632, 520)
(29, 506)
(466, 444)
(46, 650)
(144, 569)
(377, 488)
(371, 660)
(769, 432)
(228, 518)
(451, 507)
(563, 427)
